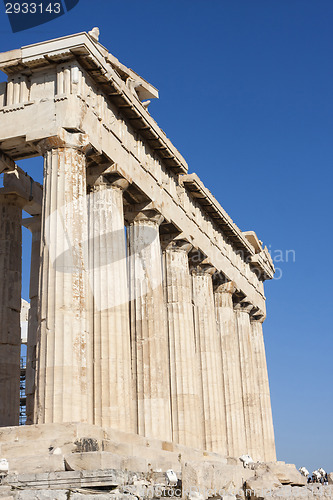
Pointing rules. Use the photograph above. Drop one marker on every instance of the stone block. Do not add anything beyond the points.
(212, 478)
(124, 437)
(135, 464)
(36, 464)
(330, 478)
(167, 446)
(42, 495)
(5, 490)
(20, 449)
(164, 456)
(287, 474)
(56, 434)
(93, 461)
(40, 432)
(163, 464)
(89, 430)
(156, 458)
(261, 485)
(119, 448)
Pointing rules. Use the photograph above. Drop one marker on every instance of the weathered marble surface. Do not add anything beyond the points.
(125, 337)
(10, 308)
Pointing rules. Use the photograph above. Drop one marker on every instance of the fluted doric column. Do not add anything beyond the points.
(10, 307)
(269, 454)
(226, 325)
(34, 225)
(250, 394)
(149, 334)
(208, 345)
(184, 362)
(64, 347)
(110, 305)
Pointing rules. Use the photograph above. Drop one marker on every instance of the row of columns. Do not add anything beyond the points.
(132, 338)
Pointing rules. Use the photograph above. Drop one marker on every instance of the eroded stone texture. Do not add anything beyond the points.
(253, 431)
(231, 369)
(82, 317)
(64, 348)
(184, 361)
(150, 358)
(10, 308)
(110, 306)
(213, 417)
(34, 225)
(260, 366)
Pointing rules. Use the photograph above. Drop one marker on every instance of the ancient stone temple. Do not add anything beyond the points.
(146, 299)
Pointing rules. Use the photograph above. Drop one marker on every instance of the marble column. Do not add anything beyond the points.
(184, 362)
(64, 347)
(247, 363)
(269, 454)
(110, 303)
(234, 409)
(10, 307)
(208, 345)
(149, 334)
(34, 225)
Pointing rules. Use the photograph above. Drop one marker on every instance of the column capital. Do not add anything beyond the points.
(176, 244)
(203, 269)
(7, 164)
(243, 307)
(229, 287)
(144, 214)
(20, 189)
(258, 317)
(65, 139)
(11, 197)
(33, 223)
(106, 182)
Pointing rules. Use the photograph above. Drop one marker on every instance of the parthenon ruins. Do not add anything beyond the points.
(146, 299)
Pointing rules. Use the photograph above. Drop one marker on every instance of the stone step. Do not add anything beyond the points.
(30, 448)
(42, 432)
(106, 460)
(60, 434)
(43, 440)
(92, 460)
(35, 464)
(24, 456)
(71, 479)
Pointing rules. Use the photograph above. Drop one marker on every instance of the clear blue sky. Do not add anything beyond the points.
(246, 96)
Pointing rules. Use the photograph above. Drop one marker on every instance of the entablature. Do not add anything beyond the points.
(247, 242)
(105, 70)
(19, 184)
(74, 99)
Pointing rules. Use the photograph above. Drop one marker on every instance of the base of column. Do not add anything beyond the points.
(49, 447)
(70, 456)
